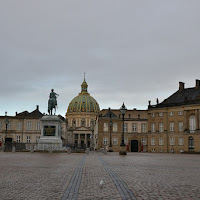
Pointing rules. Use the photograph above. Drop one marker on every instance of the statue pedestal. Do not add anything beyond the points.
(123, 150)
(50, 133)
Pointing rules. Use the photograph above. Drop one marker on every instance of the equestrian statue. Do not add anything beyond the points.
(52, 103)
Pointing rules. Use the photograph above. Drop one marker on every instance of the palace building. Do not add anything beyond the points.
(81, 115)
(174, 124)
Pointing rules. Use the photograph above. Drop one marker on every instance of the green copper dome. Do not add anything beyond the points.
(83, 102)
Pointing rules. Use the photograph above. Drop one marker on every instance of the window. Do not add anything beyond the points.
(144, 141)
(37, 138)
(161, 127)
(134, 127)
(125, 141)
(38, 126)
(74, 122)
(153, 127)
(0, 125)
(105, 141)
(152, 114)
(83, 122)
(161, 141)
(115, 128)
(144, 128)
(180, 126)
(192, 124)
(28, 139)
(153, 142)
(105, 127)
(29, 125)
(19, 125)
(171, 114)
(171, 126)
(9, 127)
(115, 140)
(125, 127)
(161, 114)
(180, 113)
(18, 139)
(180, 141)
(172, 141)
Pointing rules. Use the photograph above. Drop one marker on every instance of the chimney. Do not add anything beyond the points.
(37, 107)
(197, 84)
(181, 86)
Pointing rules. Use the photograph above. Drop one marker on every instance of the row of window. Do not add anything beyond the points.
(83, 123)
(192, 127)
(28, 138)
(134, 127)
(161, 114)
(171, 141)
(29, 125)
(114, 141)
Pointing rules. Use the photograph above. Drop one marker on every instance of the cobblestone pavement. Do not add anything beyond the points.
(77, 176)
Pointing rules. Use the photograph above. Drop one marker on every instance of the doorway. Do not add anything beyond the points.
(8, 144)
(134, 145)
(191, 143)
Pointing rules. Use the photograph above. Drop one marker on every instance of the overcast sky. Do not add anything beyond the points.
(131, 51)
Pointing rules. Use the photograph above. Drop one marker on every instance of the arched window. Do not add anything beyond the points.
(74, 122)
(192, 124)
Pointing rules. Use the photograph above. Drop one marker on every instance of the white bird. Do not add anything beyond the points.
(101, 184)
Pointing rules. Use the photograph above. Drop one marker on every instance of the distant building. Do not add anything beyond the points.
(81, 117)
(135, 130)
(174, 124)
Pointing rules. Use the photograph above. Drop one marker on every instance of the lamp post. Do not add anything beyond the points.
(6, 123)
(122, 145)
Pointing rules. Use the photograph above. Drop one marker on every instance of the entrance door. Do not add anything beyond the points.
(134, 146)
(8, 144)
(191, 143)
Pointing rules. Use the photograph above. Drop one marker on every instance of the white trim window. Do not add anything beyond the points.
(18, 139)
(153, 127)
(172, 141)
(134, 127)
(9, 127)
(0, 125)
(105, 141)
(37, 138)
(105, 127)
(152, 114)
(29, 125)
(144, 141)
(161, 141)
(144, 127)
(180, 141)
(180, 113)
(171, 126)
(115, 140)
(171, 113)
(19, 125)
(115, 127)
(125, 127)
(153, 141)
(192, 124)
(125, 140)
(37, 126)
(28, 139)
(161, 127)
(161, 114)
(180, 126)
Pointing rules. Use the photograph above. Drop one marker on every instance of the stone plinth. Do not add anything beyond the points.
(50, 133)
(123, 150)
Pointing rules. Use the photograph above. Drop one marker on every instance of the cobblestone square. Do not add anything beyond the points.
(77, 176)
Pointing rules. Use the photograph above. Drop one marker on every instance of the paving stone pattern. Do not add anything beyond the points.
(44, 176)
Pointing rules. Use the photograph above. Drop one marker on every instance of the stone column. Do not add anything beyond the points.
(86, 140)
(73, 138)
(79, 140)
(185, 120)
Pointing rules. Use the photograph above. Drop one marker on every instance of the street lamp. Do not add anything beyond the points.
(122, 145)
(110, 123)
(6, 123)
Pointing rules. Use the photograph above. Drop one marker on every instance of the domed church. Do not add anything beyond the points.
(81, 116)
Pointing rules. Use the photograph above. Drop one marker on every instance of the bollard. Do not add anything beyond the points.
(50, 150)
(13, 149)
(87, 151)
(105, 151)
(68, 150)
(32, 149)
